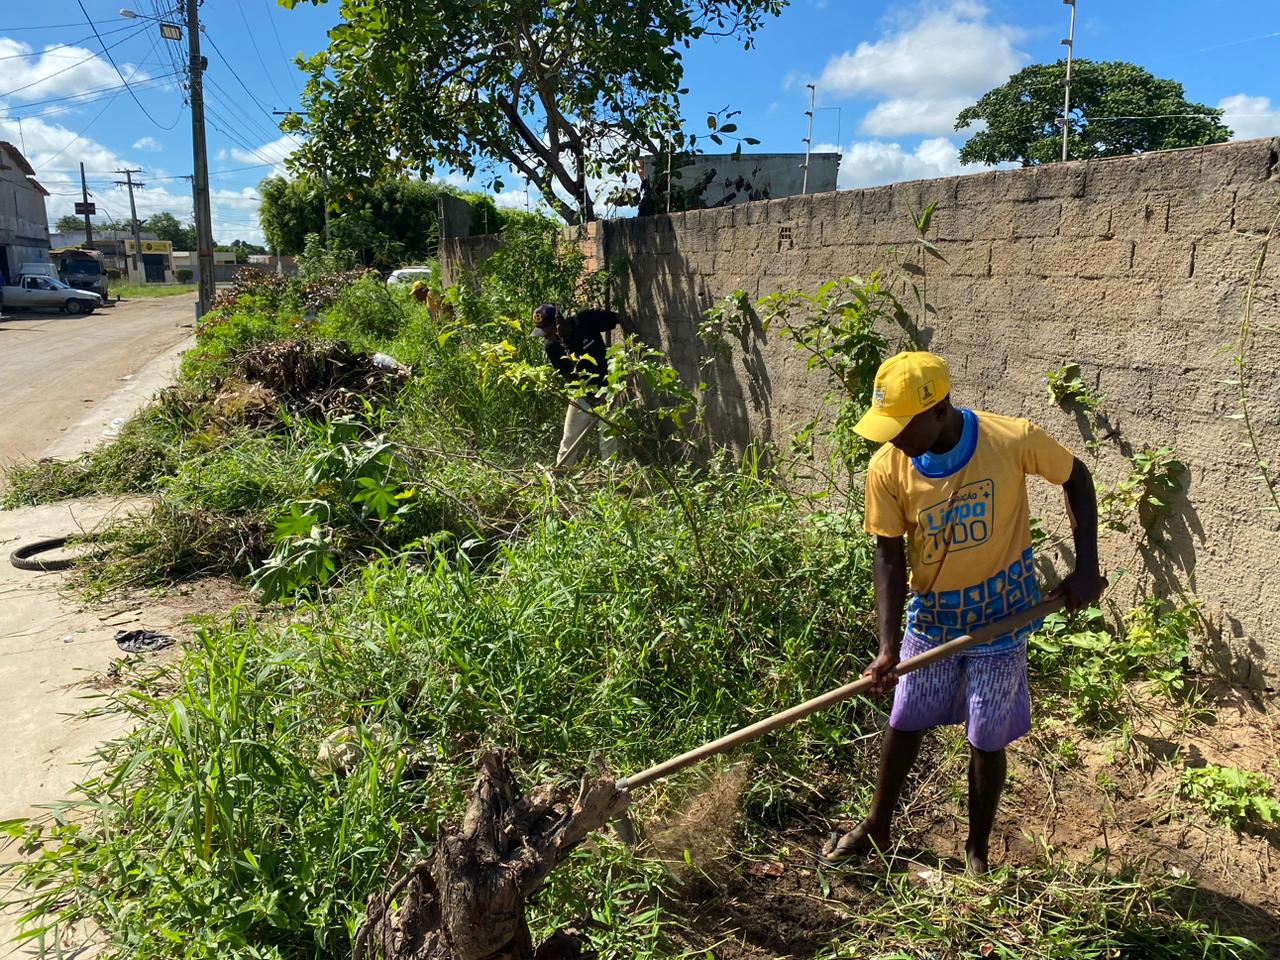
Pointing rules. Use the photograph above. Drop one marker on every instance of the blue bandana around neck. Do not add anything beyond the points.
(935, 466)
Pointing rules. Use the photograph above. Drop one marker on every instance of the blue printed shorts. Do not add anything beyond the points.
(987, 692)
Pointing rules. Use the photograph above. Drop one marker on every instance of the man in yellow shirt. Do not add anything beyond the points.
(952, 481)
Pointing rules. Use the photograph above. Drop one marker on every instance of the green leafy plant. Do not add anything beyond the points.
(1230, 795)
(1068, 390)
(913, 270)
(1239, 358)
(837, 327)
(1154, 481)
(1094, 665)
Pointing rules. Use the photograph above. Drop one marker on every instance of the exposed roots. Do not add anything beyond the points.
(467, 902)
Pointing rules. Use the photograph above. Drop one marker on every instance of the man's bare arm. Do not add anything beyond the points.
(889, 569)
(1085, 583)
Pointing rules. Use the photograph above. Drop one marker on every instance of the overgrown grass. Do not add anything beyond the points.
(441, 595)
(596, 633)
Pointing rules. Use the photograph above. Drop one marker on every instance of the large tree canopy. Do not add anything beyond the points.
(1117, 108)
(384, 224)
(167, 227)
(563, 91)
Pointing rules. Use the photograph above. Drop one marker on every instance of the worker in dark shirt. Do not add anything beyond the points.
(576, 347)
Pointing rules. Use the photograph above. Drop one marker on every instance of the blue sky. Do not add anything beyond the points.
(890, 77)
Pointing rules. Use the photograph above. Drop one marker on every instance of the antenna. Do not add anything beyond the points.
(1069, 43)
(808, 141)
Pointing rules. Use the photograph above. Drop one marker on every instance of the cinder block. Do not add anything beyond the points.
(755, 213)
(969, 259)
(1239, 162)
(1256, 207)
(876, 202)
(951, 223)
(1085, 218)
(1166, 257)
(1059, 180)
(994, 221)
(1196, 214)
(1018, 185)
(1233, 257)
(1038, 219)
(975, 188)
(1062, 256)
(1012, 258)
(1140, 215)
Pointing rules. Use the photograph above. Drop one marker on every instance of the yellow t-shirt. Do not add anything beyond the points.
(967, 522)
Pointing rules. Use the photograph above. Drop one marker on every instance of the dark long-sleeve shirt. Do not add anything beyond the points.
(580, 356)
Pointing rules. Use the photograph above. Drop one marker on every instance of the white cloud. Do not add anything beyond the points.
(928, 68)
(1250, 117)
(150, 144)
(906, 115)
(871, 163)
(274, 152)
(57, 71)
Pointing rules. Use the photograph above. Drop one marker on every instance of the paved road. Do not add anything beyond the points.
(53, 368)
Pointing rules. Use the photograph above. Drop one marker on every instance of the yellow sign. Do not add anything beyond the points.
(151, 246)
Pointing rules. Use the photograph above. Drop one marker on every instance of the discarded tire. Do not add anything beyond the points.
(22, 557)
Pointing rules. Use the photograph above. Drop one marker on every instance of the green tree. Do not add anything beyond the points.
(385, 224)
(565, 93)
(1117, 108)
(167, 227)
(69, 223)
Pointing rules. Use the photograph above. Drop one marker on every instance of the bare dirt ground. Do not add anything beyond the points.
(1116, 805)
(54, 367)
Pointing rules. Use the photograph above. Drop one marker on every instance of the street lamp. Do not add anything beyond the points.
(170, 31)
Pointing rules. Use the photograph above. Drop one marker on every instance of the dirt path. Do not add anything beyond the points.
(53, 367)
(51, 645)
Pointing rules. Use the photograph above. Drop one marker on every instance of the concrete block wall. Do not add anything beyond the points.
(1135, 268)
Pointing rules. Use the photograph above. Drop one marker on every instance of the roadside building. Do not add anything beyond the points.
(704, 180)
(155, 262)
(224, 265)
(24, 220)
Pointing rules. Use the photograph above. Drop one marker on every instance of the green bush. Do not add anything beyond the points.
(184, 275)
(366, 312)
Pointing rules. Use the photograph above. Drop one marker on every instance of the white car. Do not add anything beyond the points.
(410, 275)
(31, 293)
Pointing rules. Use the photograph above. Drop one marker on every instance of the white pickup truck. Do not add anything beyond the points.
(35, 292)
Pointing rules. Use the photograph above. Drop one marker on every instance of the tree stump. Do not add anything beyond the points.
(467, 902)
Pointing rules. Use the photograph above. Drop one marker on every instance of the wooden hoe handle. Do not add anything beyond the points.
(800, 711)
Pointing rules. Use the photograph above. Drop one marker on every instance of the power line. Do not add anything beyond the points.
(254, 43)
(251, 94)
(60, 46)
(280, 46)
(86, 96)
(85, 129)
(84, 101)
(50, 76)
(146, 113)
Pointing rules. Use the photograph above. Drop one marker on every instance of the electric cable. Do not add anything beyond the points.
(107, 51)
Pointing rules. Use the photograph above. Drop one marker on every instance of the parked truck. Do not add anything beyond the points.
(82, 269)
(37, 287)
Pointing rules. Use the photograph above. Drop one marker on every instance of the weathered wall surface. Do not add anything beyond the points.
(1135, 268)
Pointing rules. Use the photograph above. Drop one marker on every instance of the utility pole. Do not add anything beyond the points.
(808, 140)
(1069, 43)
(324, 179)
(84, 195)
(135, 275)
(200, 164)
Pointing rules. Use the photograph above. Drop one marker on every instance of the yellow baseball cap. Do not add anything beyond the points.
(906, 384)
